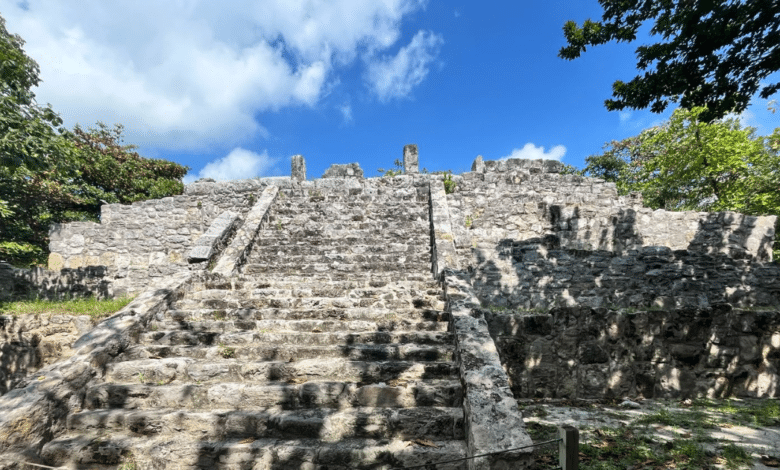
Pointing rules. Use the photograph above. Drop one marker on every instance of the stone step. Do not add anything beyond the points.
(251, 282)
(291, 257)
(340, 247)
(94, 450)
(189, 370)
(411, 230)
(209, 338)
(437, 423)
(307, 303)
(295, 352)
(393, 231)
(390, 196)
(290, 275)
(346, 269)
(390, 234)
(300, 326)
(316, 293)
(248, 396)
(341, 205)
(355, 215)
(381, 197)
(333, 313)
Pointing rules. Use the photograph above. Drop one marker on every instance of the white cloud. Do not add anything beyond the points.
(624, 116)
(238, 164)
(188, 73)
(395, 77)
(532, 152)
(346, 112)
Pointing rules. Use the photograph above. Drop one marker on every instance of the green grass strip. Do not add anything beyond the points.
(96, 309)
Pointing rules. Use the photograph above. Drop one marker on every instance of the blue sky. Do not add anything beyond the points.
(233, 90)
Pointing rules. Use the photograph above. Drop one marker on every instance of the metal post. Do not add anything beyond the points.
(569, 447)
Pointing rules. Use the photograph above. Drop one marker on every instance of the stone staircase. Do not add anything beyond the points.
(330, 350)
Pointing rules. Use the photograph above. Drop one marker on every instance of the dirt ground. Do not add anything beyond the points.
(660, 434)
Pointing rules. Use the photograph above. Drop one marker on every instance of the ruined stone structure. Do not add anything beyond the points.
(346, 322)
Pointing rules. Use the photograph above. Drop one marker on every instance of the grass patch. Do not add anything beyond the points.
(629, 447)
(226, 352)
(96, 309)
(694, 419)
(760, 413)
(684, 443)
(766, 413)
(735, 457)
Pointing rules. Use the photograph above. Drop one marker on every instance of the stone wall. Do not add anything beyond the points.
(143, 242)
(16, 283)
(30, 342)
(534, 238)
(528, 199)
(580, 352)
(538, 274)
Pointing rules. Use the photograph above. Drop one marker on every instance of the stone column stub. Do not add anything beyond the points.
(478, 165)
(411, 160)
(298, 168)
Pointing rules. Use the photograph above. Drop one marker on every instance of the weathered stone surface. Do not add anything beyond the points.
(598, 353)
(234, 254)
(411, 159)
(30, 342)
(42, 283)
(349, 170)
(32, 413)
(208, 244)
(520, 200)
(493, 422)
(323, 301)
(478, 165)
(298, 168)
(443, 250)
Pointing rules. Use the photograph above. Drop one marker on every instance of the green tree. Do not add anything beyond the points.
(686, 164)
(29, 144)
(114, 172)
(712, 53)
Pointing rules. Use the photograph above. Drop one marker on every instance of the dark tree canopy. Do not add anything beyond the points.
(711, 53)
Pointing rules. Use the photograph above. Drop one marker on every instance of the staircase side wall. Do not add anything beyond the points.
(534, 238)
(146, 241)
(581, 352)
(587, 214)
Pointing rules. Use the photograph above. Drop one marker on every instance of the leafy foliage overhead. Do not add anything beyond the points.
(27, 130)
(711, 53)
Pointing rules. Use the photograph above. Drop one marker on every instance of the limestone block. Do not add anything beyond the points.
(350, 170)
(478, 165)
(298, 168)
(56, 262)
(411, 160)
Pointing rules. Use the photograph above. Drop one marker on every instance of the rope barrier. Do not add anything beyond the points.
(477, 456)
(44, 466)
